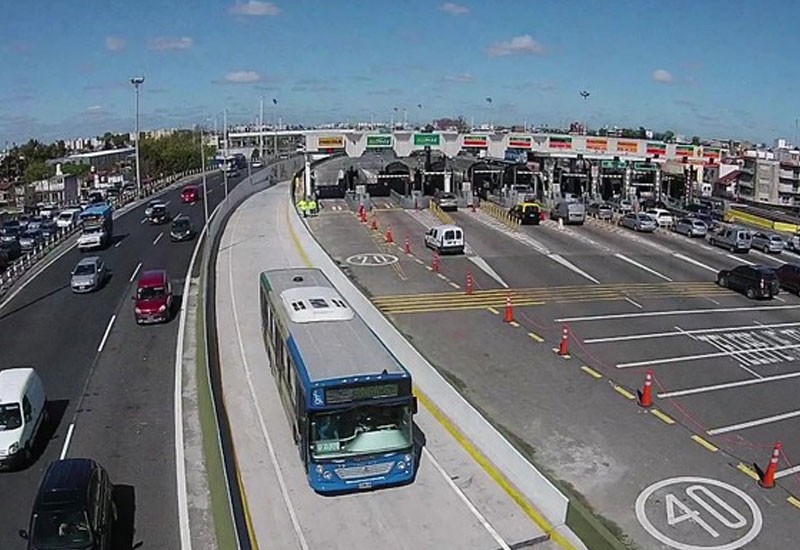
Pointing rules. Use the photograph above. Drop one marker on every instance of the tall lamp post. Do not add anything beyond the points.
(203, 171)
(137, 81)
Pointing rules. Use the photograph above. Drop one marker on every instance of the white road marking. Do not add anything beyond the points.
(637, 304)
(681, 332)
(118, 243)
(641, 266)
(475, 512)
(143, 220)
(787, 472)
(740, 259)
(728, 385)
(287, 499)
(155, 242)
(106, 333)
(135, 271)
(572, 267)
(67, 440)
(486, 268)
(36, 274)
(779, 299)
(694, 262)
(754, 423)
(670, 312)
(686, 358)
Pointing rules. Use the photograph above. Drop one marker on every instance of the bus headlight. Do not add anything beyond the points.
(320, 469)
(401, 465)
(408, 458)
(327, 475)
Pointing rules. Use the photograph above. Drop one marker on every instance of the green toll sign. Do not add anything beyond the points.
(426, 139)
(379, 141)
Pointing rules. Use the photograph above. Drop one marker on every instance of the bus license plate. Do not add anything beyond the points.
(365, 485)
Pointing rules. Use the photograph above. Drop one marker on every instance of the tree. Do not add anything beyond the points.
(669, 136)
(695, 140)
(79, 170)
(37, 171)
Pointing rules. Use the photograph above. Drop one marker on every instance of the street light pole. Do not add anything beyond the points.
(275, 128)
(261, 130)
(225, 145)
(203, 171)
(137, 81)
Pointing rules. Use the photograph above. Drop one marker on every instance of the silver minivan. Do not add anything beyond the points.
(735, 239)
(571, 211)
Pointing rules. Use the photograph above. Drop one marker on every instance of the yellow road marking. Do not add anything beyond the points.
(494, 473)
(747, 470)
(793, 501)
(661, 416)
(493, 310)
(536, 337)
(701, 441)
(248, 520)
(591, 372)
(624, 393)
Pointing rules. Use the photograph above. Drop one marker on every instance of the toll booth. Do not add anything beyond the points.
(574, 176)
(397, 176)
(486, 178)
(612, 178)
(645, 179)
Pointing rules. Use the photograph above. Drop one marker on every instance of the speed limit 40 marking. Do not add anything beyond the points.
(696, 513)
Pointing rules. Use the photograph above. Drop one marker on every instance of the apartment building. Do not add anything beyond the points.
(771, 177)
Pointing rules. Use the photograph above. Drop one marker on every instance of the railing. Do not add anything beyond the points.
(23, 265)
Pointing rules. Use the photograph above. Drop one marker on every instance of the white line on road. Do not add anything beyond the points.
(694, 262)
(155, 241)
(682, 358)
(681, 332)
(637, 304)
(754, 423)
(105, 335)
(118, 243)
(475, 512)
(143, 220)
(740, 259)
(572, 267)
(728, 385)
(787, 472)
(670, 312)
(641, 266)
(135, 271)
(67, 441)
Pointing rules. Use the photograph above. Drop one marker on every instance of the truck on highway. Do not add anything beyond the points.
(97, 223)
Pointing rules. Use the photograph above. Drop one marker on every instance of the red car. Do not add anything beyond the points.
(191, 194)
(153, 300)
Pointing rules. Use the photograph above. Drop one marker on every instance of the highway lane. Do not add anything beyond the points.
(580, 427)
(59, 333)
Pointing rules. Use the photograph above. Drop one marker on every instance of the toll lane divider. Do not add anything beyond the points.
(499, 213)
(542, 501)
(443, 216)
(734, 215)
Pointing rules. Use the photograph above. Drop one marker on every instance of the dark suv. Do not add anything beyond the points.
(789, 277)
(754, 281)
(73, 508)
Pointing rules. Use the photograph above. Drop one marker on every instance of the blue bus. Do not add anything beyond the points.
(348, 400)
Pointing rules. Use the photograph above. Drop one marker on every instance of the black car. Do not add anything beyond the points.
(527, 213)
(12, 249)
(159, 214)
(789, 277)
(754, 281)
(182, 230)
(74, 507)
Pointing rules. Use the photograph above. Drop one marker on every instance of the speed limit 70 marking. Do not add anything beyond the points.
(695, 513)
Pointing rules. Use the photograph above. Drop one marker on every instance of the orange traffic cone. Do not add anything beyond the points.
(509, 316)
(767, 479)
(469, 282)
(408, 246)
(646, 394)
(389, 236)
(563, 346)
(374, 223)
(435, 264)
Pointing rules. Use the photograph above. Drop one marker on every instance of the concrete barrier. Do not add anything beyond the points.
(524, 478)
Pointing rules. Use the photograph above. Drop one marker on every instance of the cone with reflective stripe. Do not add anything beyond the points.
(435, 265)
(408, 246)
(646, 394)
(389, 236)
(509, 316)
(469, 282)
(767, 479)
(374, 223)
(563, 346)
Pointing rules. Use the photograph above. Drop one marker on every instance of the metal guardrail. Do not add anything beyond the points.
(23, 265)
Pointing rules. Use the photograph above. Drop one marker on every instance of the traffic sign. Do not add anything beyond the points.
(426, 139)
(696, 513)
(372, 260)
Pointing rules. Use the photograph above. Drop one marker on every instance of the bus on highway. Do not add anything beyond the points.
(348, 400)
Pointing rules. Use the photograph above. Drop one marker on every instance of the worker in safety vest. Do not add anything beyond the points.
(302, 206)
(312, 206)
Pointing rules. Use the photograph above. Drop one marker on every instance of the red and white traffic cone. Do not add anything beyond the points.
(389, 236)
(563, 346)
(509, 315)
(374, 226)
(767, 479)
(646, 394)
(435, 264)
(408, 246)
(469, 282)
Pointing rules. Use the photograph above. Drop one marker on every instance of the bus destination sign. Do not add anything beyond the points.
(335, 396)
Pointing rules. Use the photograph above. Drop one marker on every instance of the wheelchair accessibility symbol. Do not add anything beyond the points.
(372, 260)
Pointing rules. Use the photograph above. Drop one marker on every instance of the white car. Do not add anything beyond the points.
(663, 217)
(149, 208)
(68, 218)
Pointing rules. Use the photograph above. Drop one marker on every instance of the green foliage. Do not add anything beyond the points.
(171, 154)
(695, 140)
(76, 169)
(38, 170)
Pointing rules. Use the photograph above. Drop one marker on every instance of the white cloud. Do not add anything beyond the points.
(94, 108)
(454, 9)
(660, 75)
(255, 7)
(524, 44)
(115, 43)
(463, 78)
(164, 44)
(243, 77)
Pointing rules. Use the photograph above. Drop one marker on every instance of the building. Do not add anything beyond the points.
(771, 177)
(7, 195)
(60, 189)
(98, 160)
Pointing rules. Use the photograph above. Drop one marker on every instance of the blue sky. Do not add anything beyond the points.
(709, 68)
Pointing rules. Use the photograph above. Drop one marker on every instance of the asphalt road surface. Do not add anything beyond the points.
(110, 383)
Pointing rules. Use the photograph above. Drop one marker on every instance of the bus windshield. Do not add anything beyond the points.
(361, 430)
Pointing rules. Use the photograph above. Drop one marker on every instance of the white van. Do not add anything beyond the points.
(22, 414)
(68, 218)
(445, 238)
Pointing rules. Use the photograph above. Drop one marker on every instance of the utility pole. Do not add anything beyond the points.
(137, 81)
(261, 130)
(275, 127)
(225, 149)
(203, 171)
